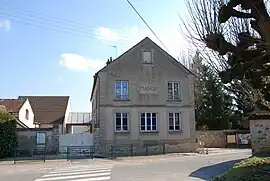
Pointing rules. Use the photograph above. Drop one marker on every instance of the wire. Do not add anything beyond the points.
(148, 26)
(53, 23)
(53, 27)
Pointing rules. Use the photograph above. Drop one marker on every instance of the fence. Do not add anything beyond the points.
(80, 152)
(132, 150)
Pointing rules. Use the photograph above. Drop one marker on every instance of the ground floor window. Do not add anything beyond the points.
(121, 121)
(175, 121)
(148, 121)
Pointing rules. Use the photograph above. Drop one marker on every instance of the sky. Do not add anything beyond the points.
(55, 47)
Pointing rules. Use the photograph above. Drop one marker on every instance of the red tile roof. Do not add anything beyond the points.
(48, 109)
(12, 105)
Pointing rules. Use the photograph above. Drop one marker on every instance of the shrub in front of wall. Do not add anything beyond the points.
(7, 134)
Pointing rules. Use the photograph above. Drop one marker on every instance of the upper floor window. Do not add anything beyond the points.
(175, 121)
(147, 57)
(121, 90)
(148, 122)
(173, 90)
(26, 114)
(121, 121)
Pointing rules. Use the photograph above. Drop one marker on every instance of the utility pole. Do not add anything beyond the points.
(114, 46)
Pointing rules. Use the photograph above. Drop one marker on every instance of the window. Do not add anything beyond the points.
(148, 122)
(121, 90)
(121, 122)
(40, 138)
(173, 90)
(26, 114)
(174, 122)
(147, 57)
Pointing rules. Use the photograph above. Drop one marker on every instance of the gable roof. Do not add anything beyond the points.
(48, 109)
(173, 60)
(12, 105)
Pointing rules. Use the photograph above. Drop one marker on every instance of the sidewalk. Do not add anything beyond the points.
(211, 152)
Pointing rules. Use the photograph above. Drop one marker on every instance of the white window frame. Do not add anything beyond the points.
(174, 97)
(122, 125)
(122, 96)
(174, 121)
(143, 56)
(145, 122)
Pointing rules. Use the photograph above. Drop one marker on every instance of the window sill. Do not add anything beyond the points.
(121, 99)
(174, 100)
(122, 132)
(149, 132)
(175, 131)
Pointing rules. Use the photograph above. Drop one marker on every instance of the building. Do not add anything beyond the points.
(78, 122)
(144, 97)
(49, 111)
(21, 109)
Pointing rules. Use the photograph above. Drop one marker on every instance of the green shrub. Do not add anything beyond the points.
(7, 134)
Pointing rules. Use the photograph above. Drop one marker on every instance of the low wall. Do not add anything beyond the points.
(260, 139)
(137, 148)
(78, 139)
(212, 139)
(27, 139)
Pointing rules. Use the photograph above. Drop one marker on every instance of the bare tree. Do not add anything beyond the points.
(234, 39)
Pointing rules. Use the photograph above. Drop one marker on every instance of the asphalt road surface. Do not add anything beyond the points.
(156, 168)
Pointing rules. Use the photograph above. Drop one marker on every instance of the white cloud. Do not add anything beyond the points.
(106, 34)
(5, 24)
(131, 35)
(79, 63)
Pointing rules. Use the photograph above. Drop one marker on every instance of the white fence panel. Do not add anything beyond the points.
(79, 139)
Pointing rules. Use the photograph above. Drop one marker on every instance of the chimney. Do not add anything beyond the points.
(108, 62)
(111, 59)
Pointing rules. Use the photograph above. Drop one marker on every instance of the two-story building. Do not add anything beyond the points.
(145, 96)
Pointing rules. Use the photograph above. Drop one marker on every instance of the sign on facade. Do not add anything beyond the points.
(148, 89)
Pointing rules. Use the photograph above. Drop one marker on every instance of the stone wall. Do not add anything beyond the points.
(137, 148)
(260, 136)
(212, 139)
(96, 141)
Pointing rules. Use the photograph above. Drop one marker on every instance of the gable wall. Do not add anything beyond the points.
(130, 68)
(30, 122)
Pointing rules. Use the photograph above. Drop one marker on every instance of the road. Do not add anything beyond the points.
(153, 168)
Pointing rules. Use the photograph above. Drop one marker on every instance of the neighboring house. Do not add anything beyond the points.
(49, 111)
(144, 97)
(20, 109)
(78, 122)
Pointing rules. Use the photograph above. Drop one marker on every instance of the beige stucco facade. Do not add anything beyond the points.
(147, 92)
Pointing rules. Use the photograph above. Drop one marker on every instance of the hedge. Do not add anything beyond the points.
(7, 134)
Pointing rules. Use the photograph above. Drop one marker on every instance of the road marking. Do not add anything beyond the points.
(79, 170)
(75, 176)
(74, 173)
(79, 173)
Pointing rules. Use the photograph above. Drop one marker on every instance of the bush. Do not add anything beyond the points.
(7, 134)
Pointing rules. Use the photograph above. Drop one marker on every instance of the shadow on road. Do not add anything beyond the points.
(208, 172)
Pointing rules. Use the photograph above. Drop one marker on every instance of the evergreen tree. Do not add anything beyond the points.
(213, 103)
(216, 110)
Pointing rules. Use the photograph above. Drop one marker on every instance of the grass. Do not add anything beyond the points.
(256, 168)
